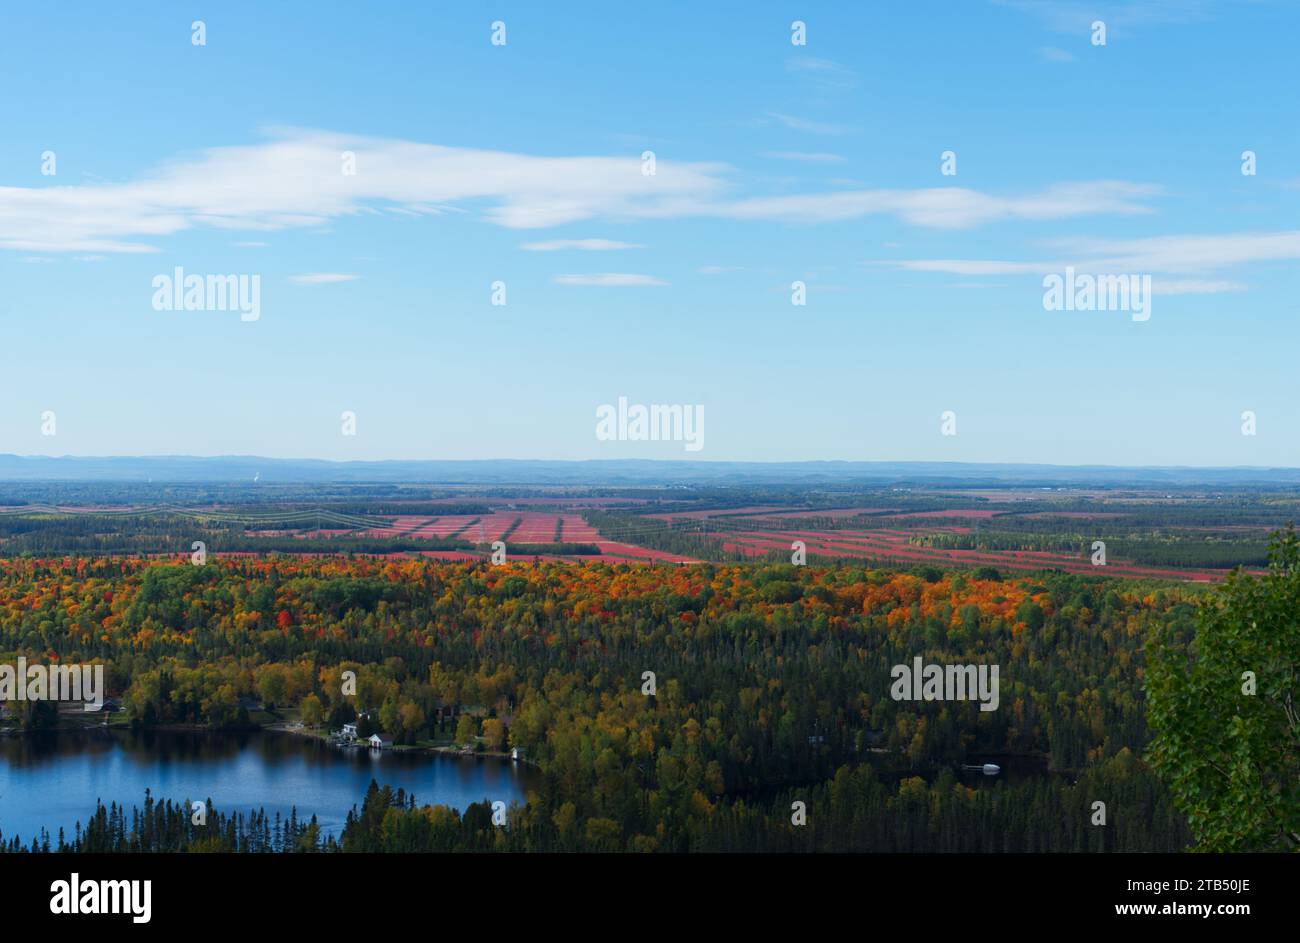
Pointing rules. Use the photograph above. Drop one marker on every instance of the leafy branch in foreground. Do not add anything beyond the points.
(1222, 707)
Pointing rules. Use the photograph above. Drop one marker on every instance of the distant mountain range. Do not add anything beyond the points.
(614, 472)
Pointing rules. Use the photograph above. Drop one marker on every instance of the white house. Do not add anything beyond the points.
(350, 731)
(379, 743)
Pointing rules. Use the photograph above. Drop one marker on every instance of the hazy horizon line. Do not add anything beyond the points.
(231, 456)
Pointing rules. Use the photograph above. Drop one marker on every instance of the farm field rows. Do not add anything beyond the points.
(518, 529)
(760, 531)
(1188, 536)
(894, 545)
(900, 536)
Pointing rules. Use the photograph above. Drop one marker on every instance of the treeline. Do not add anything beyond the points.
(1196, 551)
(656, 700)
(157, 533)
(1117, 806)
(555, 549)
(343, 497)
(1216, 552)
(169, 826)
(684, 537)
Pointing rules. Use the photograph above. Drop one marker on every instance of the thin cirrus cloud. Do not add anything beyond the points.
(296, 180)
(1053, 54)
(1190, 253)
(1176, 255)
(826, 73)
(817, 65)
(1170, 254)
(1076, 16)
(992, 267)
(1193, 286)
(322, 278)
(610, 280)
(811, 157)
(585, 245)
(795, 123)
(949, 207)
(975, 267)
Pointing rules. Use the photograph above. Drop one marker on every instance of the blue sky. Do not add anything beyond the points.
(774, 163)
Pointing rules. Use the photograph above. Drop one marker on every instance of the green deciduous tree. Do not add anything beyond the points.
(1223, 710)
(313, 712)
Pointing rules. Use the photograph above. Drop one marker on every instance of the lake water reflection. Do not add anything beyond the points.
(52, 780)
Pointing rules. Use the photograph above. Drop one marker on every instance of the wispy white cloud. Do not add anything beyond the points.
(795, 123)
(817, 157)
(825, 73)
(971, 266)
(947, 207)
(1193, 286)
(1052, 54)
(1188, 253)
(1161, 255)
(586, 245)
(820, 66)
(1076, 16)
(296, 180)
(322, 278)
(609, 280)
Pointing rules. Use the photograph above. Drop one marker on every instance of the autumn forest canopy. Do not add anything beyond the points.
(771, 688)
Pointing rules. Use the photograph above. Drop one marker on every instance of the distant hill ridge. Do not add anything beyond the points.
(230, 468)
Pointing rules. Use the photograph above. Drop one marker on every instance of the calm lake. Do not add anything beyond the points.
(53, 780)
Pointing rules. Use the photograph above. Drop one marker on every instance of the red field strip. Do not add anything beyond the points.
(879, 544)
(884, 543)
